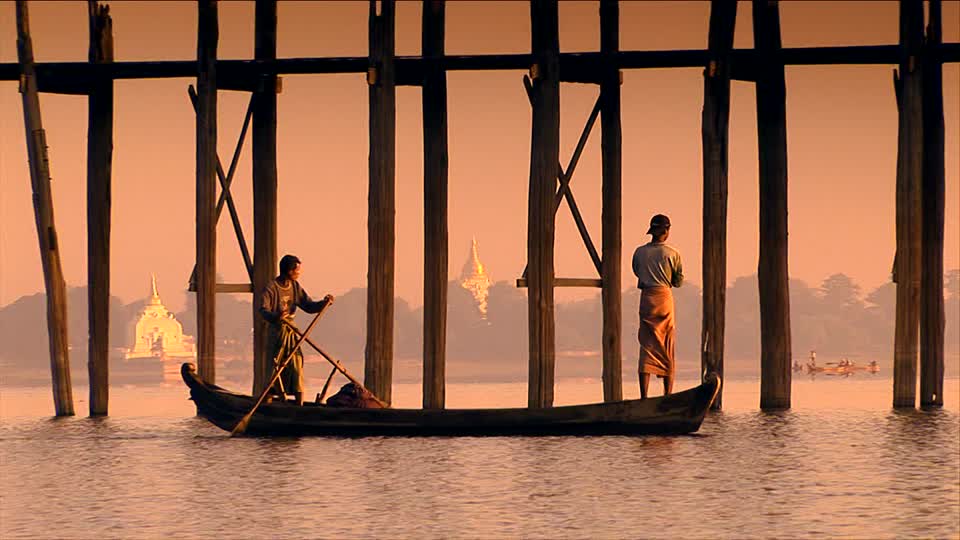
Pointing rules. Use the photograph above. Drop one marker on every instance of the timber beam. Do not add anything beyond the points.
(76, 77)
(381, 200)
(567, 282)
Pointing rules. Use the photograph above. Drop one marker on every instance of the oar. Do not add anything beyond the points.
(326, 385)
(338, 366)
(245, 421)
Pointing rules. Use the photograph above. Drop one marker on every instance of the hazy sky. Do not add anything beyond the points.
(841, 121)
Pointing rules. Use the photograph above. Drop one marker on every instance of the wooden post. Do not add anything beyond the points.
(775, 371)
(378, 365)
(544, 156)
(435, 247)
(931, 283)
(909, 201)
(99, 172)
(611, 214)
(715, 135)
(264, 183)
(43, 212)
(207, 36)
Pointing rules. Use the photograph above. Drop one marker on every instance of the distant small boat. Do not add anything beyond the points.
(843, 368)
(678, 413)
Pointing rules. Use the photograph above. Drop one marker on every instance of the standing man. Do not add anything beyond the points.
(658, 269)
(280, 300)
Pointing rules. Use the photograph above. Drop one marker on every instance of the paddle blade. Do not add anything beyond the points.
(242, 424)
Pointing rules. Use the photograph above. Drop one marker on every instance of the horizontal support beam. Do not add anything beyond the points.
(80, 83)
(234, 288)
(72, 77)
(226, 288)
(249, 84)
(743, 72)
(567, 282)
(411, 73)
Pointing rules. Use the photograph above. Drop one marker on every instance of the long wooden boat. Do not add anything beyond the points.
(678, 413)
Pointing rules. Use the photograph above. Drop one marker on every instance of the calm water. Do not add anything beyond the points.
(841, 463)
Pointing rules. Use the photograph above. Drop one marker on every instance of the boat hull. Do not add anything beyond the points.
(678, 413)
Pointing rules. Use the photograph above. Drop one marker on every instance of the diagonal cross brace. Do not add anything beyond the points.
(564, 192)
(225, 181)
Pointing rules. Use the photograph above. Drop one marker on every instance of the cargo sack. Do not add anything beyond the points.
(351, 396)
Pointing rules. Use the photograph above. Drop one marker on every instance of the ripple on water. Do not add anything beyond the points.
(856, 472)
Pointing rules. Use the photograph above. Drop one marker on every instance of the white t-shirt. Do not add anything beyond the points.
(657, 264)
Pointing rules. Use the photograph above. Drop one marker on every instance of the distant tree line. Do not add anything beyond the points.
(835, 318)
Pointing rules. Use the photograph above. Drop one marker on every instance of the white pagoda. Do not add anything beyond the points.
(158, 335)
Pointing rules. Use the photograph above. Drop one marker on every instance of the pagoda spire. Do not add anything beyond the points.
(474, 278)
(154, 295)
(477, 265)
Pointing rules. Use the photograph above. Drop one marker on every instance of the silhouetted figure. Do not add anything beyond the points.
(658, 269)
(280, 300)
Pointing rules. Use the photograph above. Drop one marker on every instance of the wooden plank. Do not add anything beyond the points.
(227, 288)
(909, 201)
(740, 71)
(65, 86)
(544, 156)
(411, 75)
(206, 154)
(234, 288)
(265, 253)
(567, 282)
(378, 365)
(435, 241)
(853, 55)
(772, 274)
(99, 194)
(581, 74)
(715, 132)
(611, 195)
(252, 82)
(43, 213)
(74, 76)
(931, 285)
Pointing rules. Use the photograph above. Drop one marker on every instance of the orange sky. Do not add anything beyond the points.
(841, 122)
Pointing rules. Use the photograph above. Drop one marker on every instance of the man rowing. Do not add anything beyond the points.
(278, 303)
(658, 269)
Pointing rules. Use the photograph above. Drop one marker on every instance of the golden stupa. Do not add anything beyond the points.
(159, 335)
(474, 278)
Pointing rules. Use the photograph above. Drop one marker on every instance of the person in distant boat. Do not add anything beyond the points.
(658, 269)
(278, 303)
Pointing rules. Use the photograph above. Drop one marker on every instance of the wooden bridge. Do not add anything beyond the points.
(919, 56)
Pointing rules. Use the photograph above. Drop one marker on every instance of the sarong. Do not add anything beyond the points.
(282, 340)
(656, 332)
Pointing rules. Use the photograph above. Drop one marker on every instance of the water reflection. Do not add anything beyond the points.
(816, 470)
(916, 445)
